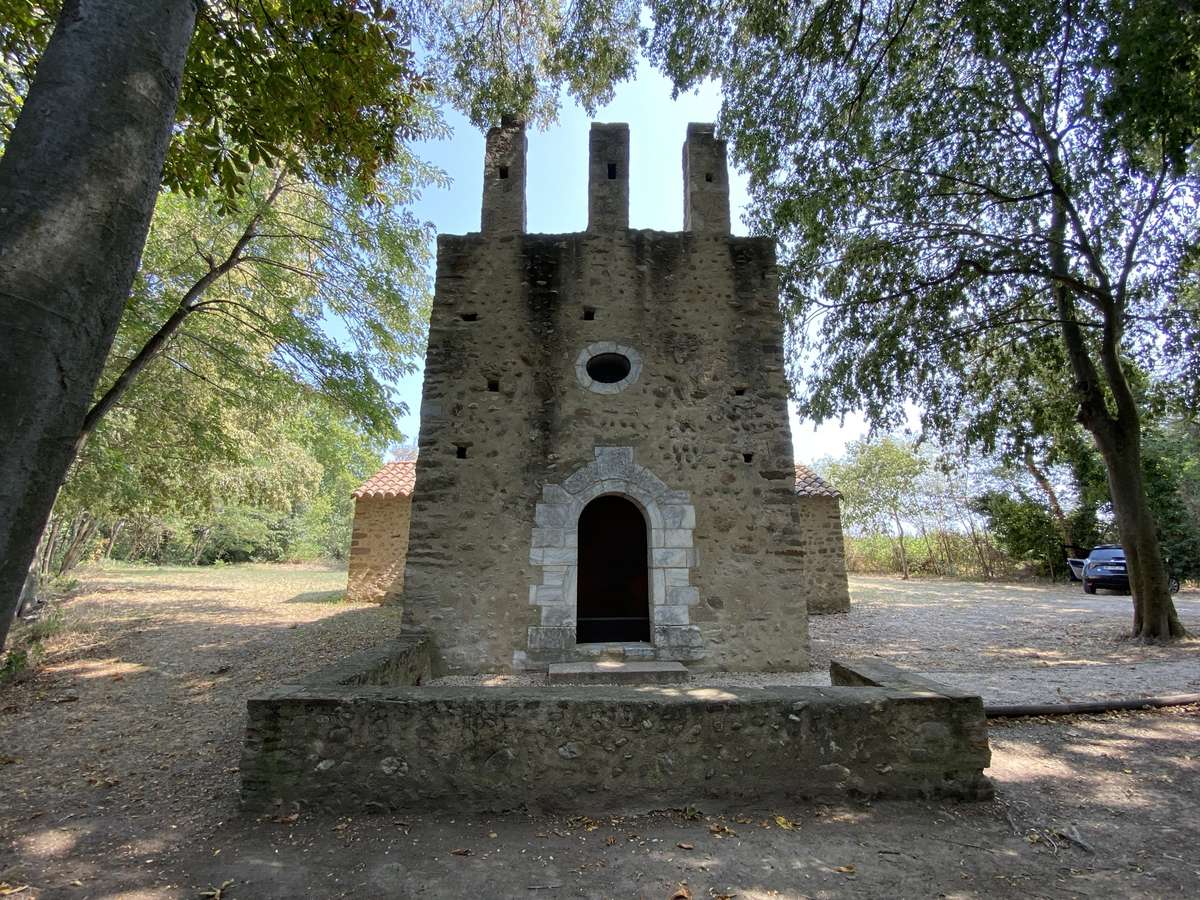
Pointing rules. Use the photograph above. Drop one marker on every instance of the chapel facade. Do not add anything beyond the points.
(606, 463)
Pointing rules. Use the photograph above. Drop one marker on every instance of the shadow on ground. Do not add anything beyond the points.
(120, 761)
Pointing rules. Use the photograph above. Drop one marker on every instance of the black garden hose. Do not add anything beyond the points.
(1004, 711)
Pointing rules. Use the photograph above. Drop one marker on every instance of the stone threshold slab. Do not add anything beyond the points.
(617, 672)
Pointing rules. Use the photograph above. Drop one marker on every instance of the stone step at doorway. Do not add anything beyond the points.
(612, 671)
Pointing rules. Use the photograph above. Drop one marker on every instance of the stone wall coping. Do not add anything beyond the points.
(874, 672)
(647, 695)
(352, 670)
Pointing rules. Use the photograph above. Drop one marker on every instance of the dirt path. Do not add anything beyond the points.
(119, 761)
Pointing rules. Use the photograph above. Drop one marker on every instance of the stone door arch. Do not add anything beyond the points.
(555, 549)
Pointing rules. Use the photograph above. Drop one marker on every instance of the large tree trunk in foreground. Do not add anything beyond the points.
(1154, 615)
(78, 181)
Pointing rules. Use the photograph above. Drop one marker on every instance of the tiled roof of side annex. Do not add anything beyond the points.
(810, 484)
(395, 479)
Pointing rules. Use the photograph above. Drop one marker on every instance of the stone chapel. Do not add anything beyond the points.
(606, 463)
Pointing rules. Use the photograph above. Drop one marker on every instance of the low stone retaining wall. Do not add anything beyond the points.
(404, 661)
(360, 746)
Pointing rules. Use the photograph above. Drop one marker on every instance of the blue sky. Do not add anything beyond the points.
(557, 194)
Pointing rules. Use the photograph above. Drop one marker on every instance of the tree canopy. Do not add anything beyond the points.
(967, 191)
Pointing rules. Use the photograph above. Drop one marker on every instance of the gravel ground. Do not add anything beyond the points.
(120, 763)
(1009, 642)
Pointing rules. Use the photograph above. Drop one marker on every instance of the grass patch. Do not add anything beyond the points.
(26, 646)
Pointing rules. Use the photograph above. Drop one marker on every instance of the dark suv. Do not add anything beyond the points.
(1105, 568)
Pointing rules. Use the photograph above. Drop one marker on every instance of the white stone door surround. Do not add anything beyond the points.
(670, 519)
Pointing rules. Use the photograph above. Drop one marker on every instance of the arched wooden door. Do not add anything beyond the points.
(613, 587)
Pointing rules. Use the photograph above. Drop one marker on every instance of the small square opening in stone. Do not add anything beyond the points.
(460, 451)
(748, 457)
(503, 172)
(589, 313)
(708, 176)
(612, 171)
(493, 384)
(469, 317)
(739, 392)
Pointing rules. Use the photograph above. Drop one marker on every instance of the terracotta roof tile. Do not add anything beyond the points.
(395, 479)
(810, 484)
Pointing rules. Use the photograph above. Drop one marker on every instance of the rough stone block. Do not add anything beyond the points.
(670, 615)
(553, 638)
(684, 596)
(679, 516)
(664, 557)
(677, 537)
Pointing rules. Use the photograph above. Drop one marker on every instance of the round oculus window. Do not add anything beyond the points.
(609, 368)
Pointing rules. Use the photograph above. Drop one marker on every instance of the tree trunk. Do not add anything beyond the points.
(113, 534)
(46, 548)
(82, 532)
(1118, 437)
(1154, 615)
(201, 543)
(903, 555)
(188, 304)
(78, 181)
(1047, 488)
(930, 548)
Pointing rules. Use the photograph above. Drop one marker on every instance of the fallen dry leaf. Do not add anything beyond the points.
(845, 870)
(683, 892)
(461, 851)
(683, 845)
(6, 889)
(216, 893)
(785, 823)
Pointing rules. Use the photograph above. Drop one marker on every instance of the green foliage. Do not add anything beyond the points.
(330, 87)
(1024, 530)
(1153, 56)
(909, 156)
(334, 89)
(26, 646)
(499, 59)
(938, 553)
(327, 289)
(877, 480)
(1172, 471)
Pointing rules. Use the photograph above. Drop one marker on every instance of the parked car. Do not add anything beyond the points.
(1105, 568)
(1075, 566)
(1108, 570)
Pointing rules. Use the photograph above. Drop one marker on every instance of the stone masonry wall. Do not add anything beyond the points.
(511, 431)
(826, 588)
(596, 748)
(378, 548)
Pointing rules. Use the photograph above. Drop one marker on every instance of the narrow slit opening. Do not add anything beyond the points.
(708, 176)
(748, 457)
(470, 317)
(589, 314)
(503, 172)
(612, 171)
(460, 451)
(739, 392)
